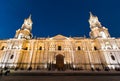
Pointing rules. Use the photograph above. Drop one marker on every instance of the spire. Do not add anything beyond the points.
(96, 28)
(27, 23)
(91, 15)
(29, 19)
(25, 31)
(93, 21)
(30, 16)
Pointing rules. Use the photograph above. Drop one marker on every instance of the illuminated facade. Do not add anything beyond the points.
(100, 51)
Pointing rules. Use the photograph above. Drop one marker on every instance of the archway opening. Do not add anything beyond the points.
(60, 62)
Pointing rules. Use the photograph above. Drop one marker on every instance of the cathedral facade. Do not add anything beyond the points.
(100, 51)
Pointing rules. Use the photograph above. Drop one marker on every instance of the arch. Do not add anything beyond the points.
(102, 34)
(59, 61)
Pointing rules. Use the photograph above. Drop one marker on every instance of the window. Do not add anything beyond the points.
(59, 48)
(79, 48)
(95, 48)
(40, 48)
(113, 58)
(2, 48)
(11, 56)
(25, 48)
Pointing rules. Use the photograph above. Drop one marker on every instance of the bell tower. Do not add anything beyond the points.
(97, 30)
(25, 31)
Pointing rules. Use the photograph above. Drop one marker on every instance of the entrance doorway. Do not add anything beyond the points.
(60, 62)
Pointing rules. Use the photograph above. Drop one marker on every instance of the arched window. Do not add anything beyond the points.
(79, 48)
(102, 34)
(113, 58)
(11, 57)
(40, 48)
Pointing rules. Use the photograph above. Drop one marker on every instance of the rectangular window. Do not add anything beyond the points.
(79, 48)
(59, 48)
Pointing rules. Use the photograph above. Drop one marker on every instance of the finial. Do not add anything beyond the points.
(30, 16)
(91, 14)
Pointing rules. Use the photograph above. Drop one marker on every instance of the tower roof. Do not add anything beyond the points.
(27, 23)
(93, 21)
(91, 15)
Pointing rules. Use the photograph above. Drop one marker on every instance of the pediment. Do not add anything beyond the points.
(59, 37)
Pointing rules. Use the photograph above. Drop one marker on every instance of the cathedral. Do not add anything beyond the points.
(23, 52)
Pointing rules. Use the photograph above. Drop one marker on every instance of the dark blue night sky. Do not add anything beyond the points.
(52, 17)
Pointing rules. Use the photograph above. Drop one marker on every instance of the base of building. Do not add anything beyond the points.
(60, 73)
